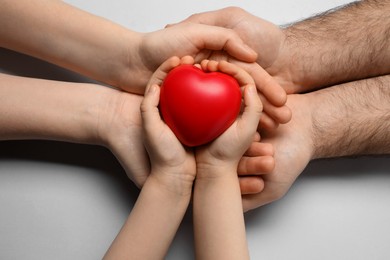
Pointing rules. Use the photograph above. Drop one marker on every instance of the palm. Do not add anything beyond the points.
(293, 150)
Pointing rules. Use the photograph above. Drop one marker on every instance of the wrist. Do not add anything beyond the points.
(215, 171)
(177, 185)
(129, 74)
(119, 119)
(286, 67)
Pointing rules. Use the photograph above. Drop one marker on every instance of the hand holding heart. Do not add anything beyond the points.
(162, 144)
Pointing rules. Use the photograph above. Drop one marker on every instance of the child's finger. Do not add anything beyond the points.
(209, 65)
(149, 110)
(250, 117)
(187, 60)
(162, 71)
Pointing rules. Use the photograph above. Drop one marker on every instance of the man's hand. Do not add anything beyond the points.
(343, 120)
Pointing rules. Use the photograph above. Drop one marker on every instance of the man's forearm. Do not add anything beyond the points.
(345, 44)
(352, 119)
(69, 37)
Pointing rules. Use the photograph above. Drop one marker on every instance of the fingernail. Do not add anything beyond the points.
(251, 89)
(152, 89)
(249, 49)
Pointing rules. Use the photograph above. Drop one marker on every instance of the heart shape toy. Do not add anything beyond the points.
(199, 106)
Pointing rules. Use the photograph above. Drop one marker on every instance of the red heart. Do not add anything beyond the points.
(199, 106)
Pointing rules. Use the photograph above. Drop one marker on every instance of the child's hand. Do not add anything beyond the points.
(272, 96)
(225, 152)
(171, 163)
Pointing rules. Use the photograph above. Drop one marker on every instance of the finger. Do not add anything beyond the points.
(256, 165)
(249, 119)
(256, 137)
(149, 111)
(162, 71)
(267, 123)
(252, 201)
(260, 149)
(280, 115)
(189, 60)
(251, 185)
(218, 38)
(209, 65)
(242, 77)
(210, 18)
(265, 83)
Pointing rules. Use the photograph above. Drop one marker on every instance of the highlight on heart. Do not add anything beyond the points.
(198, 105)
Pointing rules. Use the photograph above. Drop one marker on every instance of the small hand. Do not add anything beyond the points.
(171, 162)
(227, 150)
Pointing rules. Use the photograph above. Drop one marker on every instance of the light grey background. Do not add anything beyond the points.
(68, 201)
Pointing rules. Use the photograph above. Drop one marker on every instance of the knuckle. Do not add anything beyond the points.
(193, 17)
(234, 9)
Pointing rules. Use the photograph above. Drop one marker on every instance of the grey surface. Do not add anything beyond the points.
(68, 201)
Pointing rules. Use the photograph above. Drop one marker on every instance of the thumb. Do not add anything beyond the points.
(149, 110)
(252, 111)
(218, 38)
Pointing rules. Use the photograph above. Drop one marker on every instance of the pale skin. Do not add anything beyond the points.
(167, 191)
(309, 55)
(107, 52)
(219, 227)
(93, 114)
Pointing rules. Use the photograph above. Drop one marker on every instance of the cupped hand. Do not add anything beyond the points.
(171, 162)
(251, 30)
(190, 39)
(266, 38)
(227, 150)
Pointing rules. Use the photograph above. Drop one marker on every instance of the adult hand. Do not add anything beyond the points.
(265, 38)
(120, 130)
(190, 39)
(344, 120)
(262, 36)
(293, 147)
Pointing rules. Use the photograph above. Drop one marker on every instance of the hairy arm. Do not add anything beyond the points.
(355, 121)
(344, 44)
(350, 119)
